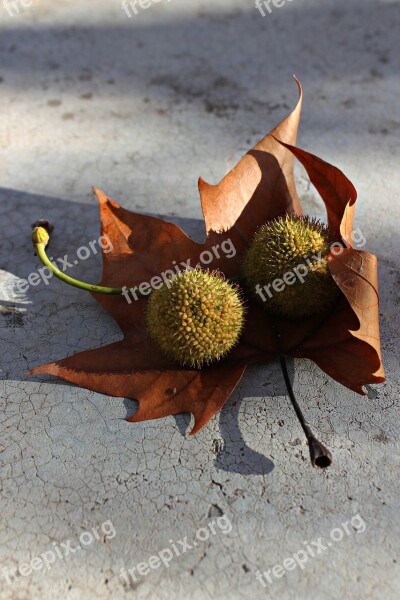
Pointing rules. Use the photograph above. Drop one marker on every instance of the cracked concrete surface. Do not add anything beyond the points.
(141, 107)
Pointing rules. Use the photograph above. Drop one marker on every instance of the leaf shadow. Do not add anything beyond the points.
(236, 456)
(233, 454)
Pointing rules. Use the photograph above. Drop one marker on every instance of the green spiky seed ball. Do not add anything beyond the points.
(291, 244)
(196, 317)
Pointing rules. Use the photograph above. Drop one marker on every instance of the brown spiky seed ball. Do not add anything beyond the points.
(196, 317)
(291, 245)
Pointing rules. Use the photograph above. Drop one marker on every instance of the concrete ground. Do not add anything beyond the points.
(140, 106)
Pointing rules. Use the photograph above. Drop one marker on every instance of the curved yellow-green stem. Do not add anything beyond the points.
(40, 239)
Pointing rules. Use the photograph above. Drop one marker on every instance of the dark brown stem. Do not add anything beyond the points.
(320, 455)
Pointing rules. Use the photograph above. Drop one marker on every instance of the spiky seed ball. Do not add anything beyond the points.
(196, 317)
(281, 247)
